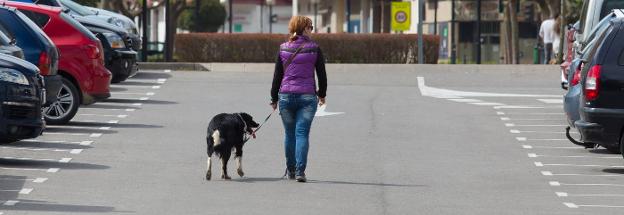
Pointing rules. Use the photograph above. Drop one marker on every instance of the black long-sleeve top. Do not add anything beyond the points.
(321, 74)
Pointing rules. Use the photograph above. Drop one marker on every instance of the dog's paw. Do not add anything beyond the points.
(240, 172)
(226, 177)
(208, 176)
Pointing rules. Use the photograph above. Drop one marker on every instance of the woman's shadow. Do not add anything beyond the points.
(328, 182)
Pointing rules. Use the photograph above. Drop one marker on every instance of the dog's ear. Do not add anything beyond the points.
(249, 119)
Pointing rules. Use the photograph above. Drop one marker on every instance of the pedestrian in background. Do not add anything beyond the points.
(547, 32)
(294, 90)
(557, 36)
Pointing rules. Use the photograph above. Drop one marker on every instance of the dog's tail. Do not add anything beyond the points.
(216, 138)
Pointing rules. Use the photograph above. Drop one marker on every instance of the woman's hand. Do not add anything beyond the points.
(273, 105)
(321, 101)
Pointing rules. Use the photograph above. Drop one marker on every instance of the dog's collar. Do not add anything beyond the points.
(244, 123)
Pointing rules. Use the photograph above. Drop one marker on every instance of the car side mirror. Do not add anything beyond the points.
(13, 41)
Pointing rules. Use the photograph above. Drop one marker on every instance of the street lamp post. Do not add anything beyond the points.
(230, 12)
(315, 3)
(270, 3)
(144, 29)
(168, 33)
(478, 29)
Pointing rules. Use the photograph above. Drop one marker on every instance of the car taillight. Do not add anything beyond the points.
(101, 48)
(576, 78)
(93, 51)
(592, 83)
(44, 63)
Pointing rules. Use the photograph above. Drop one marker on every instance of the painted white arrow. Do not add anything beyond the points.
(320, 111)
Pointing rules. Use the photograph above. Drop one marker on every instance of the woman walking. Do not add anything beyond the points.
(294, 91)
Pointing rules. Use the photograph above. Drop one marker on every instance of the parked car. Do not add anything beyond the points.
(21, 97)
(591, 13)
(7, 46)
(119, 56)
(37, 47)
(85, 78)
(601, 105)
(100, 14)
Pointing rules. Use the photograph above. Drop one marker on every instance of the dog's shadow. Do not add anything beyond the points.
(261, 179)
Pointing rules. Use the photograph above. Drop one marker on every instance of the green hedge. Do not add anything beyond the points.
(337, 48)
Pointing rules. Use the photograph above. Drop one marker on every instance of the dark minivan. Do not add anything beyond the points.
(602, 89)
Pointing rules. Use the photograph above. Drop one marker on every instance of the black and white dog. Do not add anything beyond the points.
(227, 132)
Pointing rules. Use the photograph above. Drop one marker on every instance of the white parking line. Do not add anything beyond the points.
(103, 115)
(76, 127)
(465, 100)
(95, 135)
(533, 155)
(167, 71)
(38, 149)
(538, 114)
(539, 125)
(126, 93)
(10, 203)
(551, 101)
(563, 194)
(531, 139)
(487, 104)
(513, 131)
(525, 119)
(558, 184)
(63, 160)
(572, 205)
(25, 191)
(551, 147)
(502, 106)
(549, 173)
(104, 109)
(540, 164)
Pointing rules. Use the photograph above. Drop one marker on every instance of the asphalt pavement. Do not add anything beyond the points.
(395, 141)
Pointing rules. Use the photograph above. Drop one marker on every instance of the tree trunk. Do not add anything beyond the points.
(178, 6)
(506, 37)
(515, 43)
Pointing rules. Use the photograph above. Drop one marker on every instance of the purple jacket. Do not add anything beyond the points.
(299, 78)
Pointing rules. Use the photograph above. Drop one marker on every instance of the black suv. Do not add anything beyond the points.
(602, 84)
(21, 97)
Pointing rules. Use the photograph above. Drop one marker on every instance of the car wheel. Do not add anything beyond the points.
(7, 140)
(66, 105)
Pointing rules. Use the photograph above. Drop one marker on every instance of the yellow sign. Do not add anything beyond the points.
(401, 16)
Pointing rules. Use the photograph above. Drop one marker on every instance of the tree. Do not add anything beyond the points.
(211, 17)
(129, 8)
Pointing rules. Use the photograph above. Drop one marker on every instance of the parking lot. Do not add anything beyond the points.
(29, 165)
(398, 141)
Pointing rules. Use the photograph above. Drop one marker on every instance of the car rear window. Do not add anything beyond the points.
(5, 33)
(591, 51)
(38, 18)
(78, 26)
(609, 5)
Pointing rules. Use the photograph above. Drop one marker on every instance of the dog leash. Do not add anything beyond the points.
(253, 134)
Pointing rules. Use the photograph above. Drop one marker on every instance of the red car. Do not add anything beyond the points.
(81, 63)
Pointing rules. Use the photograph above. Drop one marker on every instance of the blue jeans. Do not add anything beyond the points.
(297, 111)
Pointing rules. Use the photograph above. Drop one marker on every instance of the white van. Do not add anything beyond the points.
(593, 11)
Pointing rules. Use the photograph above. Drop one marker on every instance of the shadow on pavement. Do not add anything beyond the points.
(43, 144)
(614, 170)
(601, 151)
(78, 130)
(30, 205)
(44, 164)
(253, 180)
(149, 101)
(151, 75)
(118, 89)
(11, 185)
(118, 125)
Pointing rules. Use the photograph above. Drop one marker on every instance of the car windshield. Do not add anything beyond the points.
(69, 19)
(77, 8)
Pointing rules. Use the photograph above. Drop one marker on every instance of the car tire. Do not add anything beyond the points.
(118, 79)
(614, 150)
(66, 106)
(7, 140)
